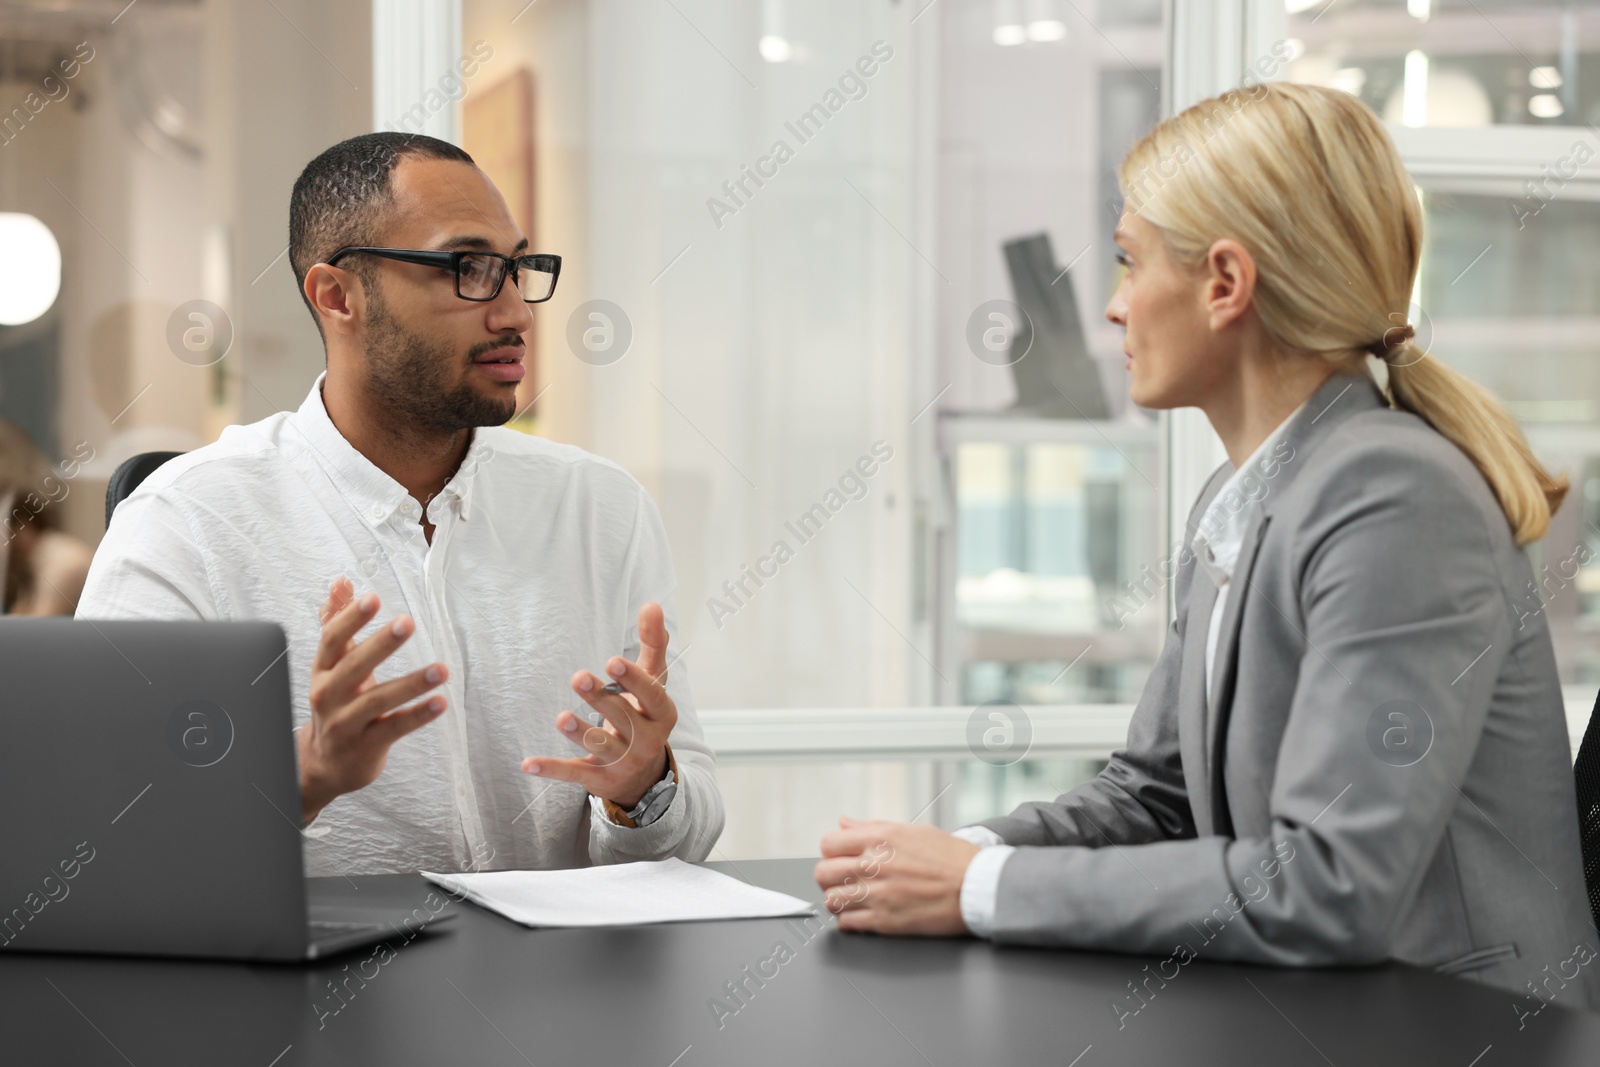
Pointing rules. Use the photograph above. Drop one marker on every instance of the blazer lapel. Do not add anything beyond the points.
(1224, 670)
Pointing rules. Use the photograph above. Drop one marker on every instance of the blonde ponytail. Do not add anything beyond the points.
(1469, 415)
(1309, 181)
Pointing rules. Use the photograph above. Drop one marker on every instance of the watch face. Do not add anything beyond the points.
(655, 801)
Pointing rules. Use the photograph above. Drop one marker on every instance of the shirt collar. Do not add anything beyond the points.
(375, 495)
(1220, 534)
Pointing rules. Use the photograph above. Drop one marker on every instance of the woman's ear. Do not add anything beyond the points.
(1229, 279)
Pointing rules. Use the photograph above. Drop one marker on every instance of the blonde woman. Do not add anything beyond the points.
(1352, 748)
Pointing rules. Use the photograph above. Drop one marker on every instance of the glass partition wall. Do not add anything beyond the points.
(792, 211)
(818, 239)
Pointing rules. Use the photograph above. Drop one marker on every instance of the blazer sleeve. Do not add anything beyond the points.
(1140, 796)
(1399, 590)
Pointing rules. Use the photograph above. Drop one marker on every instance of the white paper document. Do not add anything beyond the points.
(623, 894)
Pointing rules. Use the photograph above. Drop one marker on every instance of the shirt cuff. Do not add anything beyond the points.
(981, 836)
(981, 886)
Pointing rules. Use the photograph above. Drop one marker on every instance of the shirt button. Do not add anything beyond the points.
(377, 511)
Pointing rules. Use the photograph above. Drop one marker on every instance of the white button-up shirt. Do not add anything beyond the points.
(1217, 541)
(541, 557)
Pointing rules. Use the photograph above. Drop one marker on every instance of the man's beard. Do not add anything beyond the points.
(409, 376)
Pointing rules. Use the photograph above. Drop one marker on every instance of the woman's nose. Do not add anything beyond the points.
(1117, 309)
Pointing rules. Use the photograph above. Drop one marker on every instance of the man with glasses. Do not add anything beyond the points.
(510, 565)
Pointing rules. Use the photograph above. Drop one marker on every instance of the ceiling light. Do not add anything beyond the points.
(775, 49)
(1046, 30)
(1294, 7)
(30, 270)
(1419, 9)
(1414, 110)
(1545, 78)
(1545, 106)
(774, 43)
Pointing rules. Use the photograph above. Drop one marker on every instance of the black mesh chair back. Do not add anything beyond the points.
(1587, 770)
(129, 473)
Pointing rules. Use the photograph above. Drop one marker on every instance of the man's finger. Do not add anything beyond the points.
(343, 680)
(653, 641)
(338, 631)
(604, 745)
(597, 739)
(614, 708)
(594, 738)
(394, 725)
(384, 698)
(578, 770)
(340, 590)
(652, 696)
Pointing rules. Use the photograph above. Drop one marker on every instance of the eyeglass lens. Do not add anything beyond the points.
(479, 276)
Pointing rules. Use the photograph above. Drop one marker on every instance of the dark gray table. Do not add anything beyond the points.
(482, 990)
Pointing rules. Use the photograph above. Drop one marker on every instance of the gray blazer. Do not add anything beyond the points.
(1382, 770)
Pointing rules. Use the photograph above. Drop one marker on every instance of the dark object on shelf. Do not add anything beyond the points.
(1054, 373)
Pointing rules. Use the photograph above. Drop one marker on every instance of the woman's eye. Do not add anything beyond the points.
(1122, 257)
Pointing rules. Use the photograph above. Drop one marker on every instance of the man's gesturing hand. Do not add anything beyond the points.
(628, 755)
(354, 720)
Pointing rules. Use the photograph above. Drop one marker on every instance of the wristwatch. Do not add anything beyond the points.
(655, 801)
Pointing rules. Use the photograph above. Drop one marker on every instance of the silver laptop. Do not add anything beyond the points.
(152, 801)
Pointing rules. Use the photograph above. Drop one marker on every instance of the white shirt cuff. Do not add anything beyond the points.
(981, 886)
(981, 836)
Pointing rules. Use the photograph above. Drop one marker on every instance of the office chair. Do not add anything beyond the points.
(1587, 770)
(129, 473)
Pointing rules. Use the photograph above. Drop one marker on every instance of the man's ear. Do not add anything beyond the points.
(1229, 279)
(337, 297)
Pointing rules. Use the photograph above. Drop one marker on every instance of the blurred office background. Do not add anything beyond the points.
(740, 325)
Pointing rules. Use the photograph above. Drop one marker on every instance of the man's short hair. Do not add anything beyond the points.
(342, 196)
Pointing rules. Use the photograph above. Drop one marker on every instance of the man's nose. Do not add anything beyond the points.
(508, 312)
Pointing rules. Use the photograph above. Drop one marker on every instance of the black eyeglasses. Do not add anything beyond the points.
(479, 275)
